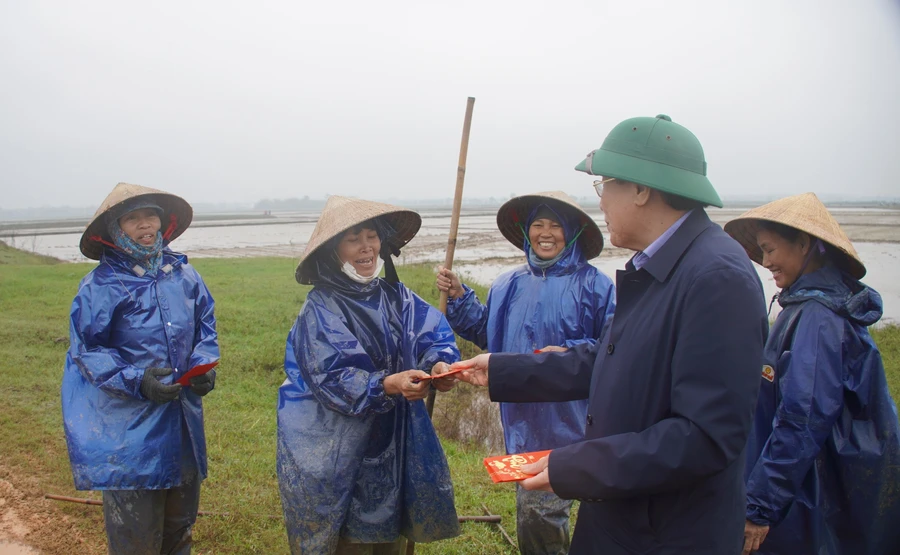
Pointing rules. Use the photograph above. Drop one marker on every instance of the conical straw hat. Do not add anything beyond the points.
(343, 213)
(516, 210)
(804, 212)
(172, 205)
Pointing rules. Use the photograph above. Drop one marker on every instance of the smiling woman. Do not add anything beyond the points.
(358, 249)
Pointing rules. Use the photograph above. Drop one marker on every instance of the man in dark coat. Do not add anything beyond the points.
(673, 384)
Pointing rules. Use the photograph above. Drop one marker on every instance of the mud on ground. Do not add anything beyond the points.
(30, 524)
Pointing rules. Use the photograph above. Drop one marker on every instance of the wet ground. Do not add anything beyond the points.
(481, 252)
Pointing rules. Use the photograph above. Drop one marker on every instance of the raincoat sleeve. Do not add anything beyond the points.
(603, 293)
(714, 384)
(434, 338)
(812, 400)
(206, 340)
(91, 321)
(333, 364)
(469, 318)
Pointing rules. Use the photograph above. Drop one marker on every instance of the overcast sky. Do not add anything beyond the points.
(238, 101)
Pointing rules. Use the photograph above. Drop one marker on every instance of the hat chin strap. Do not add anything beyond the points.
(173, 223)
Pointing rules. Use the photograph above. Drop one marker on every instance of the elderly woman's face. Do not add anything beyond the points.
(141, 226)
(783, 257)
(547, 238)
(360, 247)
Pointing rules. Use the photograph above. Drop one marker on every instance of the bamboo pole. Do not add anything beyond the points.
(451, 239)
(454, 217)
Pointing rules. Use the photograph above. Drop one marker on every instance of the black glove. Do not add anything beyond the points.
(155, 390)
(203, 384)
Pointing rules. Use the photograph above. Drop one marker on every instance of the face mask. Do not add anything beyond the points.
(351, 272)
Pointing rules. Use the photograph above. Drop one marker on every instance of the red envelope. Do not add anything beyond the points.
(444, 375)
(505, 468)
(198, 370)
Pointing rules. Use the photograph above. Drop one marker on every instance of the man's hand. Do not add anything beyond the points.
(475, 370)
(442, 384)
(553, 349)
(409, 384)
(155, 390)
(541, 479)
(754, 536)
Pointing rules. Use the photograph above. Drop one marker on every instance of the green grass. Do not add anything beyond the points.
(257, 300)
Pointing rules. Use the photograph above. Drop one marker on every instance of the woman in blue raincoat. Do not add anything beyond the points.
(553, 302)
(824, 455)
(360, 467)
(140, 320)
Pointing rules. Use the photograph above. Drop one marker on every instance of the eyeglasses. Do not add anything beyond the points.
(598, 185)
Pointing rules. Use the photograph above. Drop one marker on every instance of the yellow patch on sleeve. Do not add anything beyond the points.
(768, 373)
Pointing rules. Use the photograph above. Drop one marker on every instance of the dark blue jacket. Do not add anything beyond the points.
(824, 456)
(671, 393)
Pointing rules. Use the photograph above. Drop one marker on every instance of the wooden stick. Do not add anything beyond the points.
(502, 531)
(454, 217)
(493, 519)
(94, 502)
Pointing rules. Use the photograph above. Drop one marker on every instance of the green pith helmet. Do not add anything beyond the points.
(657, 153)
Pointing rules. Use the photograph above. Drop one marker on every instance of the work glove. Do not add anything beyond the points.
(155, 390)
(203, 384)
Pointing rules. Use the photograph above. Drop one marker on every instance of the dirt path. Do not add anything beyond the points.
(30, 524)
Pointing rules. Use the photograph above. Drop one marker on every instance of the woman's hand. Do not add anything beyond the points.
(754, 536)
(442, 384)
(409, 384)
(475, 370)
(553, 349)
(448, 282)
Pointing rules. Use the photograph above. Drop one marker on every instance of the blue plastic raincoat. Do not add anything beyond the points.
(824, 456)
(528, 308)
(121, 324)
(352, 461)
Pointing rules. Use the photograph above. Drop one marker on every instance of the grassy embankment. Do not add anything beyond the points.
(257, 301)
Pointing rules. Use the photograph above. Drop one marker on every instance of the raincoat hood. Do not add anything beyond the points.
(839, 292)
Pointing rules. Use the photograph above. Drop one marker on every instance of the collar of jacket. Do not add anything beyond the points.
(119, 259)
(664, 260)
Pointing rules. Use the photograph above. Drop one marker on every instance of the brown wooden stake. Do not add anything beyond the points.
(451, 240)
(454, 218)
(502, 531)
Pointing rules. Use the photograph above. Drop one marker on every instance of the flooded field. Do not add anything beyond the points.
(481, 252)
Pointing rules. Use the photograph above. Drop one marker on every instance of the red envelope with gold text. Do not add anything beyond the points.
(505, 468)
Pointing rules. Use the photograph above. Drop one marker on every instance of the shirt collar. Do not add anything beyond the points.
(668, 254)
(642, 257)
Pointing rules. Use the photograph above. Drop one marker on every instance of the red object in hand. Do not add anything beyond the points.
(537, 351)
(440, 376)
(198, 370)
(505, 468)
